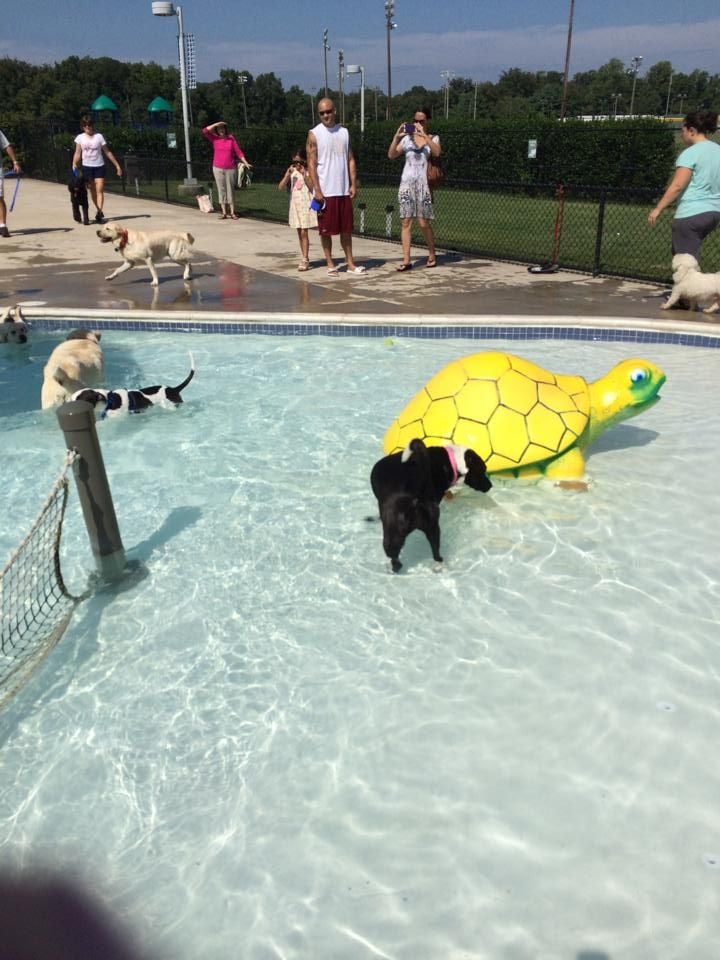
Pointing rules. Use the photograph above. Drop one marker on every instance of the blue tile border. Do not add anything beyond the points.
(424, 332)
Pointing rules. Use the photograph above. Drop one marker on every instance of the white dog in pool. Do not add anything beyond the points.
(75, 363)
(693, 286)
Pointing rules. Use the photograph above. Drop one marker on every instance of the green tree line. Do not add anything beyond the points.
(60, 92)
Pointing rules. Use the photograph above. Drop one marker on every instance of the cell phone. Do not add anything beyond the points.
(409, 128)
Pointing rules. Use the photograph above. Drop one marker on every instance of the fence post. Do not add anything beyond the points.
(77, 422)
(362, 207)
(599, 234)
(388, 220)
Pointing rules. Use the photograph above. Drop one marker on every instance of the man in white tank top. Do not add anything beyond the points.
(331, 167)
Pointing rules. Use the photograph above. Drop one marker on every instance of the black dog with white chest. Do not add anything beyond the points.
(410, 485)
(77, 185)
(109, 403)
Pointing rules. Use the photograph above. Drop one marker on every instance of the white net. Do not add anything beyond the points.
(35, 606)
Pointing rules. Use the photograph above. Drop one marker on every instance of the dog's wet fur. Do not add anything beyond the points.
(148, 247)
(113, 402)
(13, 328)
(691, 287)
(409, 486)
(74, 364)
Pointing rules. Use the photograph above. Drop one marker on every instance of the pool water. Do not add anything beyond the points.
(265, 745)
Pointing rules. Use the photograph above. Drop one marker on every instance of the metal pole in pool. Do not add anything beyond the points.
(77, 422)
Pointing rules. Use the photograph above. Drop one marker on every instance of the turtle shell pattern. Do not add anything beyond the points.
(512, 412)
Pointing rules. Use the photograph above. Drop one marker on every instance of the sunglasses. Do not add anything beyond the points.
(325, 113)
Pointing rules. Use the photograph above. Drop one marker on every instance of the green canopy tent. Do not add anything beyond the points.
(103, 109)
(161, 112)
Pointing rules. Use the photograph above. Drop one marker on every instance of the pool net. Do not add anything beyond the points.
(35, 606)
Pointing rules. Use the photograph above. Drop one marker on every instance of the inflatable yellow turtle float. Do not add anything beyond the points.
(523, 421)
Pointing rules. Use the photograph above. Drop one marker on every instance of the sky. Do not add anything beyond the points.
(478, 39)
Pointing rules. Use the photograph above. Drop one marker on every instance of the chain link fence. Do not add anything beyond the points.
(596, 230)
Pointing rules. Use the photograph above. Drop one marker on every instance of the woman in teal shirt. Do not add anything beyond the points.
(696, 182)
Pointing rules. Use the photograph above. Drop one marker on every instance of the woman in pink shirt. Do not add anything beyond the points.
(226, 153)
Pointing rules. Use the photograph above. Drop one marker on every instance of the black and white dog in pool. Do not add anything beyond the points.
(409, 486)
(109, 403)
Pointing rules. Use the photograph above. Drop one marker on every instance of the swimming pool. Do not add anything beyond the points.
(266, 745)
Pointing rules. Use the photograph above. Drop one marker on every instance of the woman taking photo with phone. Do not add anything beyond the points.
(414, 141)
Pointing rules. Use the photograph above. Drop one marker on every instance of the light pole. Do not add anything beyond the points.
(667, 102)
(162, 9)
(326, 47)
(636, 61)
(242, 80)
(566, 71)
(341, 74)
(615, 97)
(390, 25)
(447, 75)
(356, 68)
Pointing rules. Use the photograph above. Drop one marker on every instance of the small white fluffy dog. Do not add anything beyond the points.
(13, 328)
(75, 363)
(148, 247)
(693, 286)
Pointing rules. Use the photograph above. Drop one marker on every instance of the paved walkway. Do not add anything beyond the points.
(250, 266)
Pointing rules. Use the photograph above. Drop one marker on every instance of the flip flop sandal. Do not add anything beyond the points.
(403, 267)
(234, 216)
(304, 265)
(333, 272)
(357, 271)
(223, 216)
(430, 264)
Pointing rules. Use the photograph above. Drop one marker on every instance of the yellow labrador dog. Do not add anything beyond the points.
(75, 363)
(13, 328)
(148, 247)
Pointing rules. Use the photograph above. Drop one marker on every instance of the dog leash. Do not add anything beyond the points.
(15, 193)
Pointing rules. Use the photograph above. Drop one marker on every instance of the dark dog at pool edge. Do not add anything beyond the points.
(410, 485)
(77, 185)
(110, 403)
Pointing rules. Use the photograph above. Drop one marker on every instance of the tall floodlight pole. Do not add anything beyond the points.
(566, 71)
(446, 76)
(326, 47)
(390, 25)
(162, 9)
(356, 68)
(242, 80)
(341, 75)
(667, 102)
(636, 61)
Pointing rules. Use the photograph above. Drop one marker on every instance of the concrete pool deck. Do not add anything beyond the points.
(248, 268)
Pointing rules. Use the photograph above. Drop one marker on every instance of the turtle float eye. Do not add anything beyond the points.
(638, 375)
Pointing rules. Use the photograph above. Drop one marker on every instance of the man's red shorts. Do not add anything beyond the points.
(337, 217)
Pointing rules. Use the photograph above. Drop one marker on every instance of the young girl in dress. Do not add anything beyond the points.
(297, 183)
